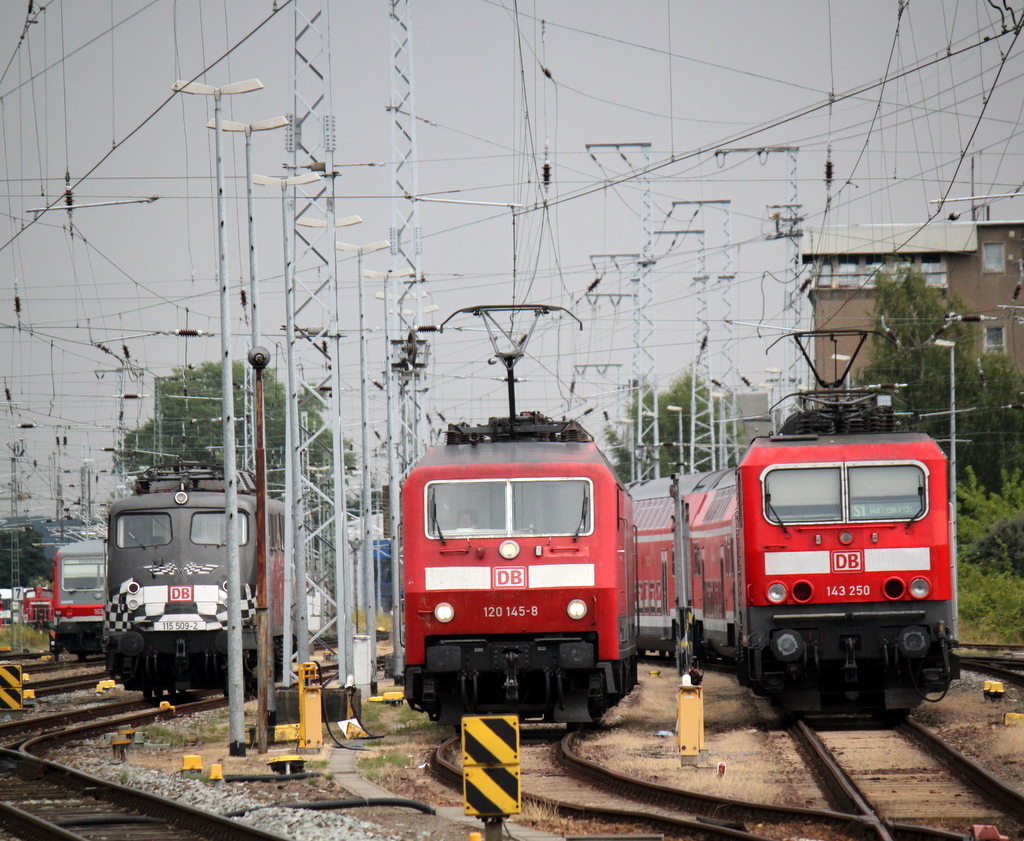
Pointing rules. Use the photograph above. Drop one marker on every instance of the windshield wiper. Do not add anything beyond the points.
(583, 518)
(433, 519)
(774, 513)
(920, 507)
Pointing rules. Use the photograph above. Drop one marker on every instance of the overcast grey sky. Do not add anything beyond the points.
(500, 88)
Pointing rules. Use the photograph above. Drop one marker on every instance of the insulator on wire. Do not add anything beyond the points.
(545, 172)
(187, 332)
(1016, 290)
(746, 382)
(588, 411)
(124, 348)
(593, 285)
(245, 298)
(829, 171)
(17, 304)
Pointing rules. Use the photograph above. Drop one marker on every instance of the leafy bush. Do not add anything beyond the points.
(991, 605)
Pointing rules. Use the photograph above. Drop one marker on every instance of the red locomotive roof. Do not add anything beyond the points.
(801, 448)
(514, 452)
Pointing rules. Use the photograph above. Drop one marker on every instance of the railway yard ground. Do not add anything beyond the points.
(751, 757)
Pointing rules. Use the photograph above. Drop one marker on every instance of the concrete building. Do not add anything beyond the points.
(980, 262)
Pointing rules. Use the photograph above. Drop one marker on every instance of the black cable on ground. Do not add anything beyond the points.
(352, 803)
(269, 778)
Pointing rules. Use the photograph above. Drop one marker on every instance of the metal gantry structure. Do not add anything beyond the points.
(643, 359)
(407, 353)
(318, 530)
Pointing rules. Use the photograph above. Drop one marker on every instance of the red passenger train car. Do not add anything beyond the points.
(519, 575)
(79, 584)
(822, 565)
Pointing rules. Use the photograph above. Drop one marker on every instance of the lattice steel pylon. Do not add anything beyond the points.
(317, 532)
(643, 361)
(702, 411)
(407, 353)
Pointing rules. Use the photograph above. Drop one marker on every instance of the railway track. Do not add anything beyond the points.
(928, 782)
(45, 800)
(900, 778)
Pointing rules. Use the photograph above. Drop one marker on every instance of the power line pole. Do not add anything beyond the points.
(644, 366)
(407, 354)
(317, 534)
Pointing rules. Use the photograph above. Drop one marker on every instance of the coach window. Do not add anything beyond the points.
(560, 506)
(208, 528)
(886, 492)
(462, 509)
(803, 495)
(82, 573)
(143, 529)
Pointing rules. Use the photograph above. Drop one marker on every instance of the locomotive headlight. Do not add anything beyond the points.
(509, 549)
(133, 604)
(919, 588)
(777, 592)
(444, 612)
(133, 587)
(577, 609)
(181, 497)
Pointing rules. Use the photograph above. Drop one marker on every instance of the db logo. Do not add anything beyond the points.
(181, 592)
(848, 561)
(508, 577)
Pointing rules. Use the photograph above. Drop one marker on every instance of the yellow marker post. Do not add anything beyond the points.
(192, 766)
(11, 687)
(311, 722)
(490, 770)
(690, 723)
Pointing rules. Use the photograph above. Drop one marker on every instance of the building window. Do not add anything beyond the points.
(994, 341)
(848, 271)
(824, 273)
(931, 268)
(993, 253)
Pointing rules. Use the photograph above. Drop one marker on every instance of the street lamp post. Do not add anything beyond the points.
(236, 679)
(394, 491)
(952, 461)
(369, 579)
(679, 414)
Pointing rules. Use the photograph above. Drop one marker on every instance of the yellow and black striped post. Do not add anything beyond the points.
(490, 769)
(11, 695)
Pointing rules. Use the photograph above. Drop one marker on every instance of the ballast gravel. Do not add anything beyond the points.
(298, 824)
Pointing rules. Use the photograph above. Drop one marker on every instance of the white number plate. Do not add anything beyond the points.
(511, 610)
(179, 625)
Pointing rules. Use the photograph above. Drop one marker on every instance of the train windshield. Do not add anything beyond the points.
(82, 573)
(872, 492)
(503, 508)
(886, 492)
(209, 528)
(139, 529)
(804, 495)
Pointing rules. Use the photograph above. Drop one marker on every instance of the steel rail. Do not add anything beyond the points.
(707, 828)
(1005, 796)
(44, 786)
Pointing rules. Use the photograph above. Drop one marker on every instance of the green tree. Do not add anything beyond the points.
(33, 564)
(186, 423)
(679, 393)
(989, 436)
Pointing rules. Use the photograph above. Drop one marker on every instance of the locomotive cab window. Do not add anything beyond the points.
(845, 493)
(886, 492)
(142, 529)
(209, 528)
(509, 508)
(803, 495)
